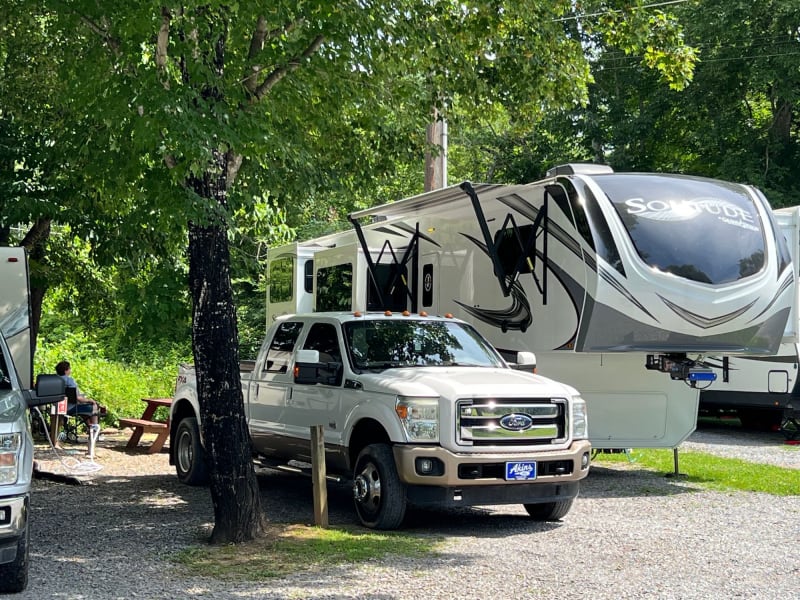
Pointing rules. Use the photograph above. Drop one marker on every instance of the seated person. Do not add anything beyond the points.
(86, 408)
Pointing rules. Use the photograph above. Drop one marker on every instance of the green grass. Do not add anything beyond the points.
(288, 549)
(715, 472)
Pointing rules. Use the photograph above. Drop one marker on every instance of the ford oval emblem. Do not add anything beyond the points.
(516, 422)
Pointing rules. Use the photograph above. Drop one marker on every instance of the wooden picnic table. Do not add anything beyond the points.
(146, 424)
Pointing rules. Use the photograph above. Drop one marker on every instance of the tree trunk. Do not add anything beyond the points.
(35, 241)
(234, 488)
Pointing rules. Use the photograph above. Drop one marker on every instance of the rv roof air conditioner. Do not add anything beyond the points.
(579, 169)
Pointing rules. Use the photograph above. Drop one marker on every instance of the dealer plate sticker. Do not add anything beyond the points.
(521, 470)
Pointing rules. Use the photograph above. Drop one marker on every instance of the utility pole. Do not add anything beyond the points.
(436, 153)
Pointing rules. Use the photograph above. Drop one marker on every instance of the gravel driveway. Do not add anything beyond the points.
(631, 534)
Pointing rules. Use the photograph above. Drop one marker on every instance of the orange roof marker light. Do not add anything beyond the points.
(357, 313)
(387, 313)
(448, 315)
(422, 313)
(406, 313)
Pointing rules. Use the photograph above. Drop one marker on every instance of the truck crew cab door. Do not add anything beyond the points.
(270, 384)
(319, 403)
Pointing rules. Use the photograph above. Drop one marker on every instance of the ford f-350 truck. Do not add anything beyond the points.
(417, 410)
(16, 443)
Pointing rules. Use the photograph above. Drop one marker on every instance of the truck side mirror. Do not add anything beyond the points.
(309, 370)
(49, 389)
(526, 361)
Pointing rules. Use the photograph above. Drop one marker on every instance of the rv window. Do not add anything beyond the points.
(308, 276)
(509, 243)
(603, 239)
(699, 229)
(391, 278)
(282, 346)
(335, 288)
(280, 279)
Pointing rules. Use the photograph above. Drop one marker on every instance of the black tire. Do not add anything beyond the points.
(760, 419)
(379, 495)
(14, 575)
(549, 511)
(190, 456)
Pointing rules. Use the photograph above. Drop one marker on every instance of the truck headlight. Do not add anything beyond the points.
(9, 457)
(580, 426)
(420, 418)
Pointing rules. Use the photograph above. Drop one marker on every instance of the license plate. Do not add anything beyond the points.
(521, 470)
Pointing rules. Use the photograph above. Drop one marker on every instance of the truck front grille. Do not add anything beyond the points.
(511, 422)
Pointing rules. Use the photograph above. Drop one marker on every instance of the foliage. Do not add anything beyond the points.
(119, 386)
(164, 117)
(287, 550)
(716, 472)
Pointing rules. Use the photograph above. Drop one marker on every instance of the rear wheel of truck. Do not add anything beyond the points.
(190, 457)
(379, 495)
(14, 575)
(549, 511)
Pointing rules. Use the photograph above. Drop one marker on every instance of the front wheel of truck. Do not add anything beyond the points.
(379, 495)
(190, 457)
(14, 575)
(549, 511)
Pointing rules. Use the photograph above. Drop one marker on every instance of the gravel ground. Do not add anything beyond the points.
(631, 534)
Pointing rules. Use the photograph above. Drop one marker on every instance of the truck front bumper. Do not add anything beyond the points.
(13, 522)
(465, 477)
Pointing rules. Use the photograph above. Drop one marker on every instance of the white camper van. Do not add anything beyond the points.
(16, 444)
(621, 283)
(764, 391)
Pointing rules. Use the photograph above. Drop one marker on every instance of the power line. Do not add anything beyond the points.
(608, 12)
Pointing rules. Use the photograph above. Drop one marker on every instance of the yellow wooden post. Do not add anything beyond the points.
(318, 476)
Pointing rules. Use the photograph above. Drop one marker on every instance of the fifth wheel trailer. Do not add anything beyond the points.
(764, 391)
(620, 283)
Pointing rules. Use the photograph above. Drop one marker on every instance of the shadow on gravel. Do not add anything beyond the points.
(631, 482)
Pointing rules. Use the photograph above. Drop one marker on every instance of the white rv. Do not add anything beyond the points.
(621, 283)
(764, 391)
(16, 397)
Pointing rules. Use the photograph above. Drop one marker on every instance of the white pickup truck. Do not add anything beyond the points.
(16, 443)
(416, 410)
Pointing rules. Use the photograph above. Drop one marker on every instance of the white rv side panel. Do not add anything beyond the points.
(15, 311)
(628, 406)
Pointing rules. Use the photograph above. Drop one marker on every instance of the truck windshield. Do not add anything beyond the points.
(411, 343)
(700, 229)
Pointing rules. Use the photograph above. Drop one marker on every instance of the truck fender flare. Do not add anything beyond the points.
(378, 412)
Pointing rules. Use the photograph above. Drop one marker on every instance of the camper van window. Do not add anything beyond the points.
(280, 279)
(699, 229)
(282, 346)
(335, 288)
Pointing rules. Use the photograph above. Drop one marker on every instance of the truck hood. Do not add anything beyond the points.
(463, 382)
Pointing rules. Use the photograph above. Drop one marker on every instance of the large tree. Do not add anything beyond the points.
(189, 112)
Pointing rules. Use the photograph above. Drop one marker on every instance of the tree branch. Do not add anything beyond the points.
(110, 41)
(260, 34)
(293, 64)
